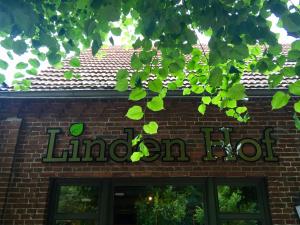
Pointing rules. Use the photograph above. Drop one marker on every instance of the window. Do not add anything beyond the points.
(241, 202)
(180, 201)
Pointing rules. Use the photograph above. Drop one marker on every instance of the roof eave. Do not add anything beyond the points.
(110, 94)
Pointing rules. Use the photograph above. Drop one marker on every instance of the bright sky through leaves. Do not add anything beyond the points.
(123, 41)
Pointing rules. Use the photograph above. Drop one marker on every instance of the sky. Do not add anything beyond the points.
(9, 73)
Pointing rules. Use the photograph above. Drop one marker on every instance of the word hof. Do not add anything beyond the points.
(168, 150)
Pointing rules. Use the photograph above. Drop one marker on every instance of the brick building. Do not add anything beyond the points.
(50, 177)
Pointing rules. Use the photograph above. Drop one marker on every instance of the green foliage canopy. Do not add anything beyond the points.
(240, 41)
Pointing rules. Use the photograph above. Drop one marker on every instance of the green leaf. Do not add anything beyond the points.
(135, 113)
(163, 73)
(75, 62)
(241, 110)
(297, 107)
(275, 49)
(137, 94)
(3, 64)
(174, 67)
(68, 75)
(7, 43)
(116, 31)
(216, 77)
(296, 45)
(202, 109)
(172, 86)
(147, 44)
(297, 121)
(275, 80)
(230, 112)
(18, 75)
(294, 88)
(291, 22)
(280, 99)
(288, 71)
(293, 54)
(42, 56)
(122, 74)
(156, 104)
(239, 52)
(21, 66)
(122, 85)
(81, 4)
(186, 91)
(216, 100)
(76, 129)
(26, 83)
(155, 85)
(136, 156)
(206, 100)
(53, 58)
(197, 89)
(111, 40)
(151, 128)
(2, 78)
(163, 93)
(135, 62)
(19, 47)
(34, 62)
(32, 71)
(143, 149)
(10, 56)
(96, 45)
(229, 103)
(237, 92)
(136, 140)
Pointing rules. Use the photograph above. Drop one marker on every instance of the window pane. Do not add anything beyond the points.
(78, 199)
(237, 199)
(159, 205)
(75, 222)
(241, 222)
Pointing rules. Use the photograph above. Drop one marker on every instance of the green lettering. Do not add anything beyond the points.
(249, 158)
(154, 150)
(127, 143)
(182, 150)
(75, 149)
(210, 144)
(89, 145)
(51, 146)
(268, 142)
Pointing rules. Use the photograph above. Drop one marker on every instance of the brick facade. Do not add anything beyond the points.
(27, 194)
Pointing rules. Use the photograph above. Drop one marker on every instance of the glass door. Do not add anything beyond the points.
(169, 204)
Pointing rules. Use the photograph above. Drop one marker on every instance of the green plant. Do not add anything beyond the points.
(170, 206)
(165, 33)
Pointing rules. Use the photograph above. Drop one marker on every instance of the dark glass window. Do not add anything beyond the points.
(78, 199)
(237, 199)
(241, 202)
(178, 201)
(75, 203)
(160, 205)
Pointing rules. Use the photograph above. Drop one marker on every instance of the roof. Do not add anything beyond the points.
(98, 74)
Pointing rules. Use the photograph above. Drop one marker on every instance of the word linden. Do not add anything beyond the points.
(169, 150)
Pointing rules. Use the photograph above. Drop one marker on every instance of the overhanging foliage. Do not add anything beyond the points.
(167, 45)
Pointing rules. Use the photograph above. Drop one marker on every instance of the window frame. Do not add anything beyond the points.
(262, 216)
(209, 185)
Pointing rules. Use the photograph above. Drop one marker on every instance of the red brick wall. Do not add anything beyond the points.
(28, 194)
(9, 130)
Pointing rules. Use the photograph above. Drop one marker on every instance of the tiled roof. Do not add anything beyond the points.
(98, 73)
